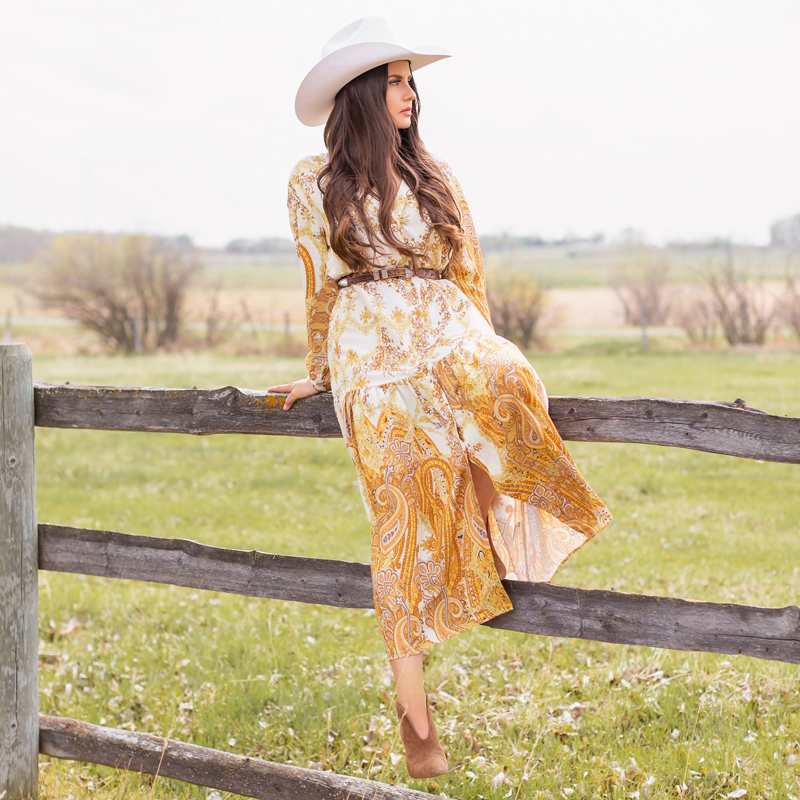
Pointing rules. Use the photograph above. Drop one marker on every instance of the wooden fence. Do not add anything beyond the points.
(539, 608)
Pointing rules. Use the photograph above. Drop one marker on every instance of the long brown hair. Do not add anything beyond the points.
(365, 149)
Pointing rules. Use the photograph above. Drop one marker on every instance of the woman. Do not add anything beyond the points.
(463, 474)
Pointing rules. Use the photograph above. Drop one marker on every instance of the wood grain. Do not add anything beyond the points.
(772, 634)
(539, 608)
(182, 562)
(19, 588)
(250, 777)
(195, 411)
(725, 428)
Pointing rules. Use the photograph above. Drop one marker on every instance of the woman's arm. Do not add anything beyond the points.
(469, 275)
(309, 229)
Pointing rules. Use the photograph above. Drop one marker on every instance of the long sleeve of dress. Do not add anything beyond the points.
(469, 275)
(309, 228)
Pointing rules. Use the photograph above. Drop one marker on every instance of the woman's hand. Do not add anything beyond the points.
(296, 389)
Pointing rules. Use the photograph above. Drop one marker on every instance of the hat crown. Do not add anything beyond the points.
(366, 29)
(360, 46)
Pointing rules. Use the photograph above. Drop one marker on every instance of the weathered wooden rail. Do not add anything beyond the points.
(539, 608)
(250, 777)
(725, 428)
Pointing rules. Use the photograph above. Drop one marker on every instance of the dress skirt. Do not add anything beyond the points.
(422, 386)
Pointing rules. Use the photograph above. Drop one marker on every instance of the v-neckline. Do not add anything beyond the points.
(400, 186)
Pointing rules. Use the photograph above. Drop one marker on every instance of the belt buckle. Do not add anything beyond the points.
(380, 274)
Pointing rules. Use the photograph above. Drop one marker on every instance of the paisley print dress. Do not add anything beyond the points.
(422, 385)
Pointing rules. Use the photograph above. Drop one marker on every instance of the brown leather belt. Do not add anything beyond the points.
(386, 274)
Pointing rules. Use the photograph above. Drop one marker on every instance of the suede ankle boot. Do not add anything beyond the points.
(424, 757)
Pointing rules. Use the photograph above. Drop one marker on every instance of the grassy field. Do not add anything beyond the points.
(555, 266)
(275, 282)
(244, 304)
(520, 716)
(584, 266)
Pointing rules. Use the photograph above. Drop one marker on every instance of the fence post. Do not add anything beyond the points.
(19, 594)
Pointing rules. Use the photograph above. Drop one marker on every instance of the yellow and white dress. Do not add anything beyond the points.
(421, 385)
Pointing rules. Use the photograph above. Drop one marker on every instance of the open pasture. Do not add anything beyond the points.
(521, 716)
(258, 291)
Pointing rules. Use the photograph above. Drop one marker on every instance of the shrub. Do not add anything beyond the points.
(130, 289)
(517, 306)
(640, 283)
(697, 316)
(789, 309)
(743, 307)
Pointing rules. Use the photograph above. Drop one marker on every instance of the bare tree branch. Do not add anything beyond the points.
(743, 307)
(517, 307)
(130, 290)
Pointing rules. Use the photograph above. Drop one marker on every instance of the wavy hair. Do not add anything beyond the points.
(365, 148)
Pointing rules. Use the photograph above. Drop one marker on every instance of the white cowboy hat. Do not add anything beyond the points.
(362, 45)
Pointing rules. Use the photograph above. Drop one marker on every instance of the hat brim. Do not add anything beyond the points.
(317, 92)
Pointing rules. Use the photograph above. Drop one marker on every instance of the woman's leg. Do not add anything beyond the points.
(486, 492)
(411, 691)
(408, 670)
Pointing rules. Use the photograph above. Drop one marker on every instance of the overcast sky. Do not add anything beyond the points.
(680, 118)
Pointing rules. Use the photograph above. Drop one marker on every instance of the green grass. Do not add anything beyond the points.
(577, 267)
(554, 266)
(268, 272)
(519, 715)
(568, 266)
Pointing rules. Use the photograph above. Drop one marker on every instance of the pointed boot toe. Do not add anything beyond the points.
(425, 758)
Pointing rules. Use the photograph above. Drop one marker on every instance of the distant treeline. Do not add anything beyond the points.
(22, 244)
(786, 233)
(490, 243)
(499, 242)
(19, 245)
(273, 244)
